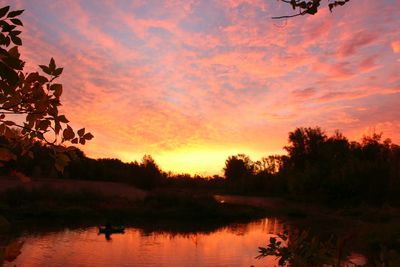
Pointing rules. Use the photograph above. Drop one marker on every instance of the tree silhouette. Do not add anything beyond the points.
(238, 167)
(34, 96)
(309, 7)
(304, 144)
(151, 174)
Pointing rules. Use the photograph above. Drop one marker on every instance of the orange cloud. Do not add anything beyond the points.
(396, 46)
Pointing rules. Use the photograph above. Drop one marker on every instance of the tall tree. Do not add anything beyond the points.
(238, 167)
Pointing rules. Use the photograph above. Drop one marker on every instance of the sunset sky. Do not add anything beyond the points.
(192, 82)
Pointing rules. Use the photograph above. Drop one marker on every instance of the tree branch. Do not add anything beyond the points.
(291, 16)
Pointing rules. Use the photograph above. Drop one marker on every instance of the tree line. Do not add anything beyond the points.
(328, 168)
(317, 166)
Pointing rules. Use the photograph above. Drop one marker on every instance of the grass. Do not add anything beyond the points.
(20, 204)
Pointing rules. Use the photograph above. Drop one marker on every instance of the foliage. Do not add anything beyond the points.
(302, 249)
(340, 171)
(238, 167)
(34, 97)
(335, 170)
(151, 173)
(309, 6)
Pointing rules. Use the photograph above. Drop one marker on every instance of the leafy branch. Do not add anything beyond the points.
(309, 7)
(34, 95)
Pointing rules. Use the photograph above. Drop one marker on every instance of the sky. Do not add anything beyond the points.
(192, 82)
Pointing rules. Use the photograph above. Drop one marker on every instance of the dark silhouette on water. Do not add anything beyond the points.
(108, 230)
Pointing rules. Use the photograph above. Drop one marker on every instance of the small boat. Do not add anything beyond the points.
(111, 229)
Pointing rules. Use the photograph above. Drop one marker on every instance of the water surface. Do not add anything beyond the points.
(234, 245)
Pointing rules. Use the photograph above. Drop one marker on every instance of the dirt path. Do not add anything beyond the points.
(105, 188)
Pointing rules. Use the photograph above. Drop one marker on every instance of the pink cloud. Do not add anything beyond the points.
(368, 64)
(355, 42)
(304, 93)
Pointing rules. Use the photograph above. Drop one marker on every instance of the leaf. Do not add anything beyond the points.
(7, 27)
(15, 32)
(75, 140)
(42, 79)
(58, 71)
(63, 119)
(57, 88)
(68, 133)
(82, 141)
(17, 22)
(14, 13)
(81, 132)
(53, 111)
(52, 65)
(2, 38)
(9, 123)
(4, 10)
(45, 69)
(43, 124)
(88, 136)
(312, 10)
(31, 77)
(14, 52)
(16, 40)
(7, 41)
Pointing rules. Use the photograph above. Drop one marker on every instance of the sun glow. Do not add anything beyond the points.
(200, 161)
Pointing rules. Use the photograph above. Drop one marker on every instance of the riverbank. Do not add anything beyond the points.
(26, 204)
(108, 189)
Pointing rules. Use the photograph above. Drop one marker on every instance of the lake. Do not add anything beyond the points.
(233, 245)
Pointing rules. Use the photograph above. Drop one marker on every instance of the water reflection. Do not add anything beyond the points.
(228, 246)
(109, 230)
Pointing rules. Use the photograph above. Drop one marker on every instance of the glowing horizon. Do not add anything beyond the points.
(192, 82)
